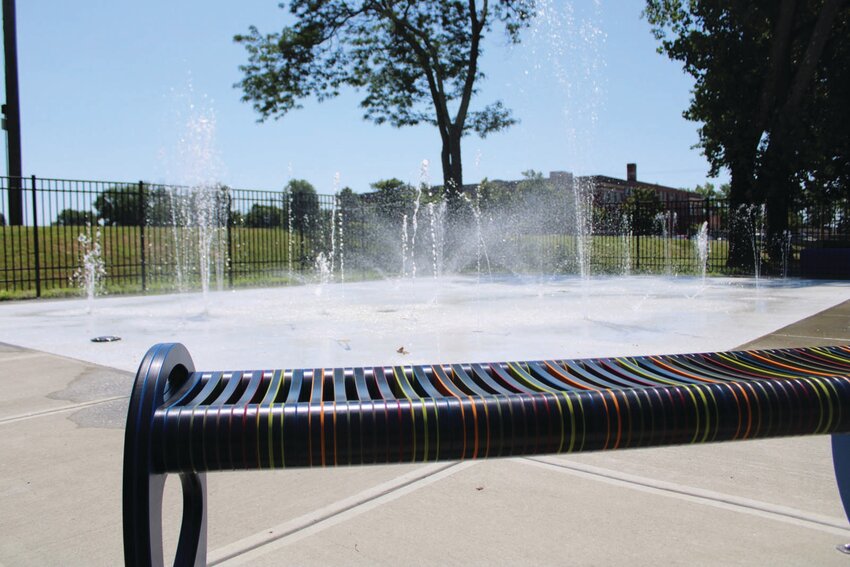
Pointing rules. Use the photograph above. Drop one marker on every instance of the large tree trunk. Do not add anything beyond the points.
(776, 180)
(453, 175)
(452, 166)
(739, 217)
(778, 205)
(776, 176)
(456, 209)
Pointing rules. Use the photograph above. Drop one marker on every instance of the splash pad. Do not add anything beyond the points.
(426, 320)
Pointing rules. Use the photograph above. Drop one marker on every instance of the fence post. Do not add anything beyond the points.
(142, 243)
(639, 215)
(229, 221)
(35, 240)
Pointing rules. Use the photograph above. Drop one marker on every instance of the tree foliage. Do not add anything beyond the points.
(74, 217)
(305, 204)
(347, 199)
(159, 205)
(264, 216)
(533, 182)
(120, 205)
(772, 81)
(497, 194)
(642, 207)
(709, 191)
(393, 198)
(417, 61)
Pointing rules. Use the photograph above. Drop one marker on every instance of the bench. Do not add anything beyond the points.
(187, 422)
(830, 262)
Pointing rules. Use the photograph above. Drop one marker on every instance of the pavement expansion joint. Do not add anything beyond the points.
(54, 411)
(243, 551)
(836, 526)
(22, 356)
(837, 340)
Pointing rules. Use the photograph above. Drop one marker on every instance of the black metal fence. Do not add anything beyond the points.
(138, 237)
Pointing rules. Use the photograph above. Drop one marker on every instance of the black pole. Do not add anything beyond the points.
(637, 234)
(142, 242)
(35, 239)
(12, 115)
(229, 221)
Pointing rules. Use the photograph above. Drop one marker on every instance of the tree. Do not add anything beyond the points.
(417, 61)
(348, 200)
(709, 191)
(305, 204)
(237, 218)
(120, 205)
(2, 220)
(533, 182)
(771, 84)
(74, 217)
(161, 205)
(496, 194)
(155, 205)
(643, 206)
(349, 210)
(393, 198)
(264, 216)
(504, 195)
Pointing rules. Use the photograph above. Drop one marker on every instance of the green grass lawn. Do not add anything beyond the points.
(257, 256)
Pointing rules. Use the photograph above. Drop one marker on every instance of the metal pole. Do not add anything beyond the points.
(638, 215)
(142, 223)
(12, 116)
(229, 221)
(35, 240)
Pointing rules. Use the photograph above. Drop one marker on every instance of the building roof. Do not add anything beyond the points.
(604, 182)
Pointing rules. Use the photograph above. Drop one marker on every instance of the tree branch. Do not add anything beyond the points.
(435, 84)
(818, 40)
(778, 63)
(472, 69)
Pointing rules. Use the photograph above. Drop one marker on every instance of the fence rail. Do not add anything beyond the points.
(139, 236)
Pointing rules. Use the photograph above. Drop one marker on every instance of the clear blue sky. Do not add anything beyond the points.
(106, 87)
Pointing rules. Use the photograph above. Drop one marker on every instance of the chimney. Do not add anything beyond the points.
(631, 172)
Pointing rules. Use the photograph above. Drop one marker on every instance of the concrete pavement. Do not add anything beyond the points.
(749, 503)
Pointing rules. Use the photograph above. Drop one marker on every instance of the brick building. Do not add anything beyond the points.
(614, 190)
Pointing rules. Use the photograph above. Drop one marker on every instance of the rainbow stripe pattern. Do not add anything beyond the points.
(420, 413)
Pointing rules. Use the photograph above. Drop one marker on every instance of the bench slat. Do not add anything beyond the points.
(423, 413)
(187, 422)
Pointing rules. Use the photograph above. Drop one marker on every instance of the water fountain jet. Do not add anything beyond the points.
(91, 270)
(701, 244)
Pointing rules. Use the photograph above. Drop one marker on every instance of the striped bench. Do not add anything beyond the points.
(188, 422)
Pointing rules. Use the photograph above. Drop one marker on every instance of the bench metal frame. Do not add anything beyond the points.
(185, 422)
